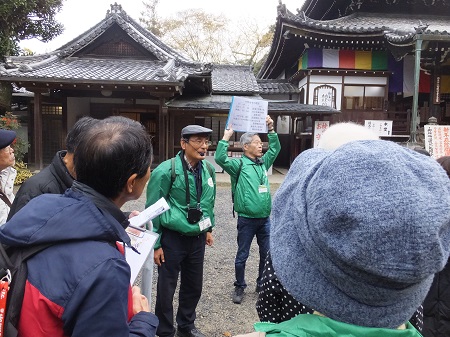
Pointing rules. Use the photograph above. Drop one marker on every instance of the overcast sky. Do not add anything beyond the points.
(77, 16)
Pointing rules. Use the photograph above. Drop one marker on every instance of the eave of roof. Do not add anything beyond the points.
(394, 27)
(276, 87)
(222, 103)
(60, 66)
(89, 70)
(393, 31)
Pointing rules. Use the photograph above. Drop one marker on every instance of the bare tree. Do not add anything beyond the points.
(149, 17)
(205, 37)
(196, 34)
(250, 42)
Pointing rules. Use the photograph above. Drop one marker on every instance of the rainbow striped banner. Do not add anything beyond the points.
(343, 59)
(401, 78)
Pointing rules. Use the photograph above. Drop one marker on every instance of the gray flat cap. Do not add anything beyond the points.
(194, 130)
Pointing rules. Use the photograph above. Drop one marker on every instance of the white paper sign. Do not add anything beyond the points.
(437, 140)
(380, 127)
(248, 115)
(319, 128)
(149, 213)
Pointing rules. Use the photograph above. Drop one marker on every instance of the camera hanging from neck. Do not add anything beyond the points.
(194, 214)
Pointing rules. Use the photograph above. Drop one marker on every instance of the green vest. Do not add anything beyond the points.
(307, 325)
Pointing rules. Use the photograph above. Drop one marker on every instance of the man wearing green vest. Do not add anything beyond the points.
(188, 183)
(251, 197)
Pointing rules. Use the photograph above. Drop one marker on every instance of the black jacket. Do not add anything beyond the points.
(436, 307)
(54, 179)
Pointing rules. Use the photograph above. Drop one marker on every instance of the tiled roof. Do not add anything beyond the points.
(142, 36)
(395, 27)
(273, 87)
(61, 65)
(233, 79)
(99, 70)
(223, 102)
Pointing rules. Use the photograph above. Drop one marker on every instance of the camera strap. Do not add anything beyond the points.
(198, 184)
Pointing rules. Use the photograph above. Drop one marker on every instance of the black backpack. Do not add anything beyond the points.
(13, 267)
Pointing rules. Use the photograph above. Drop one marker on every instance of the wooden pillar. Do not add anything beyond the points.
(292, 132)
(171, 140)
(162, 130)
(37, 128)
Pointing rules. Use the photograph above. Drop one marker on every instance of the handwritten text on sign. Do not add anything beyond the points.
(319, 128)
(437, 140)
(248, 115)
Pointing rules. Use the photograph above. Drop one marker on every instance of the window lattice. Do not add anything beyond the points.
(117, 48)
(51, 110)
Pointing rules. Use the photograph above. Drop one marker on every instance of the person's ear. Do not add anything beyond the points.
(130, 183)
(183, 143)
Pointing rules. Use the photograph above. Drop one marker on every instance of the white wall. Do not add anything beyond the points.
(365, 80)
(338, 87)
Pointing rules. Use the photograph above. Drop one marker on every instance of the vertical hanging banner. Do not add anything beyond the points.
(319, 128)
(437, 89)
(437, 140)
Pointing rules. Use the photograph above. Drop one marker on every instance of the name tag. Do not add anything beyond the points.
(262, 189)
(204, 223)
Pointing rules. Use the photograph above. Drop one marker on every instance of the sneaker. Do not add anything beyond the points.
(238, 295)
(192, 333)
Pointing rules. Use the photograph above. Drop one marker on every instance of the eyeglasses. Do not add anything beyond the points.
(200, 142)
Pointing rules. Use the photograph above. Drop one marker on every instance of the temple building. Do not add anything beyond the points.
(119, 68)
(370, 59)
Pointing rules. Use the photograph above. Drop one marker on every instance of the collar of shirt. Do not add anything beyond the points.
(194, 170)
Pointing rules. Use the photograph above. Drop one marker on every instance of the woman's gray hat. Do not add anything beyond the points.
(194, 130)
(359, 232)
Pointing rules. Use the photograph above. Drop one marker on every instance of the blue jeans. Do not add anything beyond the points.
(247, 228)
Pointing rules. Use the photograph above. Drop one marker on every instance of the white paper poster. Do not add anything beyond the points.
(437, 140)
(319, 128)
(248, 115)
(380, 127)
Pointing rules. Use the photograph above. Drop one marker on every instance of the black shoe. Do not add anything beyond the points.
(238, 295)
(192, 333)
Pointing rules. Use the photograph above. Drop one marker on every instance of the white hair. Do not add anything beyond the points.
(342, 133)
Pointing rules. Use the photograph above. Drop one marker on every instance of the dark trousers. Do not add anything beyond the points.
(247, 228)
(183, 254)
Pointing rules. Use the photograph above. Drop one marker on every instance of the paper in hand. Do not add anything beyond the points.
(149, 213)
(248, 115)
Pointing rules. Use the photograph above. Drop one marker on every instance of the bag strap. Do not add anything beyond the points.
(17, 286)
(238, 173)
(173, 175)
(5, 199)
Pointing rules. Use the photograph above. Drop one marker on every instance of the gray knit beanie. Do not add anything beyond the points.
(359, 232)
